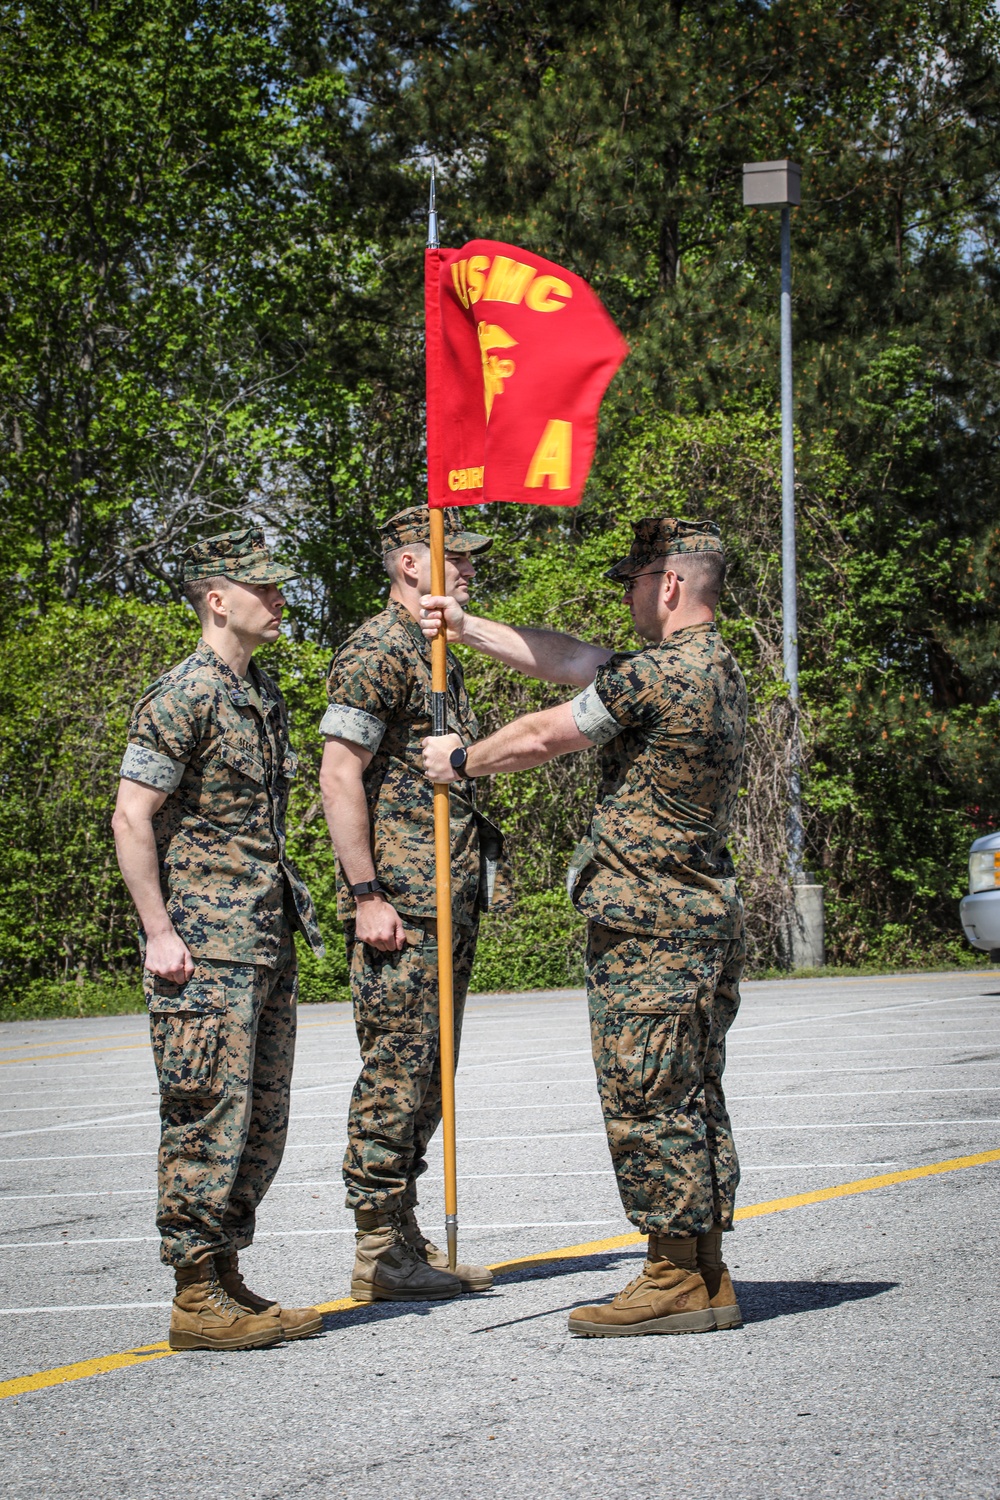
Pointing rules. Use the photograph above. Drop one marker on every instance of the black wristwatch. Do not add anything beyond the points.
(458, 757)
(366, 888)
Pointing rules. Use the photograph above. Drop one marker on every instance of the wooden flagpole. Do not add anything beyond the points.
(442, 865)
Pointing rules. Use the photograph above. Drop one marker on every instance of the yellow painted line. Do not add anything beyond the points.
(342, 1304)
(131, 1046)
(83, 1052)
(866, 1185)
(570, 1252)
(104, 1363)
(83, 1369)
(116, 1036)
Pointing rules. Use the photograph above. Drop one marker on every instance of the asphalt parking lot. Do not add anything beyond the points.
(869, 1363)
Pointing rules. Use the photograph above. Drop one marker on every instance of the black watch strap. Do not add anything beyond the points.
(458, 757)
(365, 888)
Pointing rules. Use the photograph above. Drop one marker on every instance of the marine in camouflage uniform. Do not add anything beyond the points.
(379, 691)
(214, 745)
(665, 938)
(665, 948)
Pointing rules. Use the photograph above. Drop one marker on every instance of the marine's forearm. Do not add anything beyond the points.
(135, 845)
(529, 741)
(346, 809)
(547, 655)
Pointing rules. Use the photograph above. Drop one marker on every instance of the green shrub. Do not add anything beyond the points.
(540, 946)
(48, 999)
(68, 682)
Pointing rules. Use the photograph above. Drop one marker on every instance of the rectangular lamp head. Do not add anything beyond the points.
(774, 184)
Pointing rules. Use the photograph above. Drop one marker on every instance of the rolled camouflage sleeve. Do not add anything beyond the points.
(341, 722)
(151, 768)
(162, 737)
(365, 688)
(592, 718)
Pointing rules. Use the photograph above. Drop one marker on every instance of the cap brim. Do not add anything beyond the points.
(266, 573)
(623, 568)
(468, 541)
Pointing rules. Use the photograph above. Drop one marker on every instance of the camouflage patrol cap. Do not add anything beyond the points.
(240, 555)
(660, 537)
(414, 525)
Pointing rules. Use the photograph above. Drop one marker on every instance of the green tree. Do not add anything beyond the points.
(612, 138)
(169, 228)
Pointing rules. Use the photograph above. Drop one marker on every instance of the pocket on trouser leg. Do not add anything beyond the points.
(648, 1058)
(186, 1024)
(396, 991)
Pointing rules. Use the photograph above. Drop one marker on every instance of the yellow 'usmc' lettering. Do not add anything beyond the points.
(507, 280)
(552, 459)
(465, 479)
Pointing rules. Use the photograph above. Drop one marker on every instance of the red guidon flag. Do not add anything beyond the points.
(519, 355)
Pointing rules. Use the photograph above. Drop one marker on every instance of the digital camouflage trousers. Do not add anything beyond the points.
(660, 1008)
(396, 1104)
(223, 1045)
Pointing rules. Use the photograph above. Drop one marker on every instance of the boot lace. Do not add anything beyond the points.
(403, 1241)
(221, 1299)
(413, 1234)
(637, 1281)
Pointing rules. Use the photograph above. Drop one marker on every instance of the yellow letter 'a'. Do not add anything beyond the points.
(552, 457)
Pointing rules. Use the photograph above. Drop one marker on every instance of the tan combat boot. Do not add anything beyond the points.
(722, 1297)
(388, 1269)
(717, 1279)
(296, 1322)
(473, 1278)
(663, 1298)
(206, 1317)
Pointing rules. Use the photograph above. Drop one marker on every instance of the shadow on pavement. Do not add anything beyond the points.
(762, 1300)
(630, 1257)
(509, 1277)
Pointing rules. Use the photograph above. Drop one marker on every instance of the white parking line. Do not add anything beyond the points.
(868, 1125)
(79, 1088)
(815, 1072)
(555, 1176)
(867, 1010)
(106, 1122)
(92, 1193)
(856, 1094)
(803, 1097)
(53, 1109)
(20, 1312)
(585, 1081)
(879, 1036)
(742, 1129)
(281, 1234)
(513, 1062)
(13, 1161)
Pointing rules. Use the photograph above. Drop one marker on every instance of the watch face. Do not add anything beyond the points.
(458, 758)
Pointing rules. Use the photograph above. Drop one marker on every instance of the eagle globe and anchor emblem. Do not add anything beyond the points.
(495, 369)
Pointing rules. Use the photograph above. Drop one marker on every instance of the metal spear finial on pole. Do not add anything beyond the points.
(442, 857)
(432, 216)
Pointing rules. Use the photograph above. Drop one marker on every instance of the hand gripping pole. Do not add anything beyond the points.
(442, 874)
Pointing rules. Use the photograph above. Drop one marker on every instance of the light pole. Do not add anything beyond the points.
(777, 184)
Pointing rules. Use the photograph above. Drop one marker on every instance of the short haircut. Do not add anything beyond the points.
(196, 593)
(703, 572)
(390, 560)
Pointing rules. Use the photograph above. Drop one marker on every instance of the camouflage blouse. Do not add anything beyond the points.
(198, 735)
(380, 698)
(672, 723)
